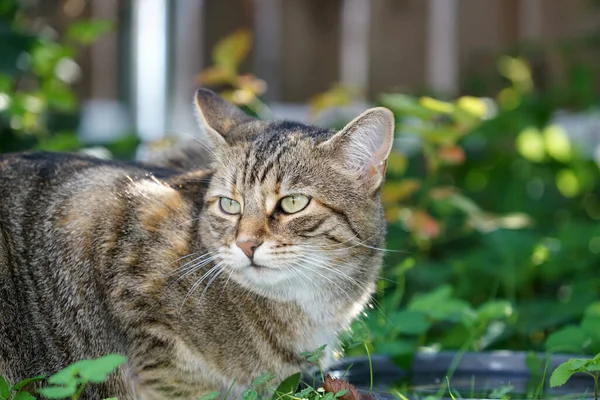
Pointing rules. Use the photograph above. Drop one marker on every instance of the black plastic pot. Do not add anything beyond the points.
(476, 375)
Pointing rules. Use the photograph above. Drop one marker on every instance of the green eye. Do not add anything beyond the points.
(229, 206)
(293, 204)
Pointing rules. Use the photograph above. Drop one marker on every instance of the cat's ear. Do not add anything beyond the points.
(364, 144)
(217, 116)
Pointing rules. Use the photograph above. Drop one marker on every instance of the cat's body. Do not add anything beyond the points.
(99, 257)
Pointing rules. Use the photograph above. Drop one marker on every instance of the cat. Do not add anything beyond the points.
(201, 277)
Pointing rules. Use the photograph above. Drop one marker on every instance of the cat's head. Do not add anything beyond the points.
(295, 210)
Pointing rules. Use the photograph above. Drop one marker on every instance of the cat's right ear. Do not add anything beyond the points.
(217, 116)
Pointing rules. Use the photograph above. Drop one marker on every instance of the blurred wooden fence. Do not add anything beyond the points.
(301, 47)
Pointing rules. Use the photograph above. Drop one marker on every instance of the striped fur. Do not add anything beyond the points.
(99, 257)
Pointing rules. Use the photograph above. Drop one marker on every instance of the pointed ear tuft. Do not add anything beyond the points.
(217, 116)
(364, 144)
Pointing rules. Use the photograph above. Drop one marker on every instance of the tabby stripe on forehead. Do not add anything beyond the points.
(343, 215)
(246, 165)
(273, 160)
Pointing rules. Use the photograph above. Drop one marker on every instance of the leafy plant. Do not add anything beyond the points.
(71, 381)
(18, 391)
(241, 89)
(37, 102)
(564, 371)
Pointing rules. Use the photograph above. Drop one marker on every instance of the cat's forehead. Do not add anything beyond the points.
(270, 134)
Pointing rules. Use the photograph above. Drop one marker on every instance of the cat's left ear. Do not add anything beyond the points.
(217, 116)
(364, 144)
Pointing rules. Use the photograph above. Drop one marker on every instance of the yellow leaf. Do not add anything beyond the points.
(230, 51)
(530, 144)
(436, 105)
(338, 95)
(509, 99)
(397, 163)
(392, 213)
(473, 105)
(517, 70)
(397, 191)
(215, 75)
(567, 183)
(557, 143)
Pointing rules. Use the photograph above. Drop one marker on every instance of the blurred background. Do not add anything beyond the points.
(492, 194)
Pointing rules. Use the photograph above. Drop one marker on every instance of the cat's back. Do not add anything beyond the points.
(58, 211)
(36, 171)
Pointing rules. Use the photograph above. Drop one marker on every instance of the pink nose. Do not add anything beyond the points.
(248, 246)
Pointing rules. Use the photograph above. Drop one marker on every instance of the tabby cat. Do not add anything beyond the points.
(201, 277)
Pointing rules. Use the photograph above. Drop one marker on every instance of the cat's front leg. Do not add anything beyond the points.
(172, 385)
(160, 378)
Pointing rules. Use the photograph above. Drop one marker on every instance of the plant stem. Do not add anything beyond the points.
(321, 371)
(371, 368)
(77, 394)
(596, 385)
(230, 387)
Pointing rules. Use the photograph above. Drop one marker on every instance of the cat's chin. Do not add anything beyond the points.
(259, 275)
(267, 281)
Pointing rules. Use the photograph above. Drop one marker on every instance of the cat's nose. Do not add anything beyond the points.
(248, 246)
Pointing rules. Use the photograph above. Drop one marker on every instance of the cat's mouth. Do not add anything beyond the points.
(258, 267)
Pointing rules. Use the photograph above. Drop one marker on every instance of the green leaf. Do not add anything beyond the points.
(60, 96)
(4, 388)
(23, 396)
(59, 141)
(423, 302)
(210, 396)
(357, 335)
(341, 393)
(87, 32)
(305, 392)
(593, 364)
(410, 322)
(58, 392)
(578, 364)
(494, 310)
(6, 82)
(593, 309)
(65, 376)
(315, 355)
(398, 347)
(287, 388)
(501, 391)
(561, 375)
(98, 370)
(591, 326)
(264, 378)
(406, 105)
(328, 396)
(440, 306)
(568, 339)
(20, 385)
(46, 55)
(249, 394)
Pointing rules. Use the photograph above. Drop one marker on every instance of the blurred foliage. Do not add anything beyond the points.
(496, 215)
(38, 106)
(493, 236)
(224, 76)
(493, 212)
(338, 95)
